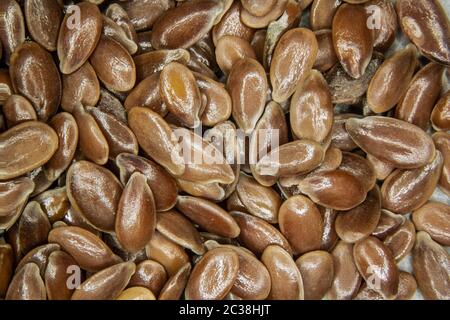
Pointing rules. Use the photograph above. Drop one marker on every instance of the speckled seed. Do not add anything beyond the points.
(431, 266)
(376, 264)
(247, 85)
(257, 234)
(440, 117)
(404, 145)
(76, 44)
(163, 147)
(353, 40)
(25, 147)
(388, 223)
(434, 218)
(392, 79)
(95, 192)
(88, 250)
(12, 27)
(169, 31)
(213, 276)
(317, 270)
(136, 214)
(106, 284)
(301, 223)
(35, 76)
(426, 25)
(442, 142)
(27, 284)
(292, 61)
(347, 279)
(149, 274)
(402, 240)
(334, 189)
(416, 106)
(286, 280)
(361, 221)
(57, 276)
(407, 190)
(209, 216)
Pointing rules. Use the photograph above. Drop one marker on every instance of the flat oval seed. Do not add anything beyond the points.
(136, 293)
(388, 223)
(175, 286)
(404, 145)
(144, 13)
(166, 252)
(426, 25)
(163, 147)
(76, 43)
(416, 106)
(88, 250)
(93, 143)
(361, 221)
(317, 270)
(311, 111)
(66, 128)
(230, 49)
(57, 275)
(6, 267)
(44, 20)
(209, 216)
(292, 61)
(258, 8)
(402, 240)
(407, 286)
(106, 284)
(259, 22)
(329, 235)
(297, 157)
(384, 36)
(18, 109)
(353, 40)
(14, 194)
(358, 167)
(147, 94)
(407, 190)
(262, 202)
(82, 86)
(322, 13)
(149, 274)
(25, 147)
(286, 280)
(95, 192)
(213, 276)
(35, 76)
(169, 32)
(440, 117)
(392, 79)
(431, 266)
(154, 61)
(12, 27)
(136, 214)
(181, 94)
(301, 223)
(180, 230)
(347, 279)
(39, 256)
(27, 284)
(257, 234)
(116, 71)
(442, 142)
(334, 189)
(434, 218)
(247, 85)
(163, 185)
(375, 261)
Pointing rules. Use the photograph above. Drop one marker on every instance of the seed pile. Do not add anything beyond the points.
(220, 149)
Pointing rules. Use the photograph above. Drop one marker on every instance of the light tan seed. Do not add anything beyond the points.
(230, 49)
(259, 22)
(136, 293)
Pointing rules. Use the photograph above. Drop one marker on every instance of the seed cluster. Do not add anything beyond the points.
(220, 149)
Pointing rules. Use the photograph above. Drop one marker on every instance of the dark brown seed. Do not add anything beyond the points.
(440, 116)
(27, 284)
(404, 145)
(94, 191)
(431, 266)
(12, 27)
(35, 76)
(57, 276)
(286, 280)
(213, 276)
(402, 240)
(149, 274)
(230, 49)
(88, 250)
(6, 267)
(434, 218)
(407, 190)
(77, 42)
(376, 264)
(329, 235)
(6, 88)
(427, 26)
(107, 284)
(442, 142)
(353, 40)
(175, 285)
(317, 270)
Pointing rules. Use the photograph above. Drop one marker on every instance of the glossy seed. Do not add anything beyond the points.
(18, 109)
(57, 274)
(434, 218)
(39, 256)
(387, 224)
(136, 293)
(147, 94)
(258, 22)
(384, 35)
(440, 116)
(230, 49)
(27, 284)
(6, 267)
(358, 167)
(402, 240)
(12, 27)
(322, 13)
(442, 142)
(382, 169)
(326, 57)
(175, 285)
(149, 274)
(144, 13)
(154, 61)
